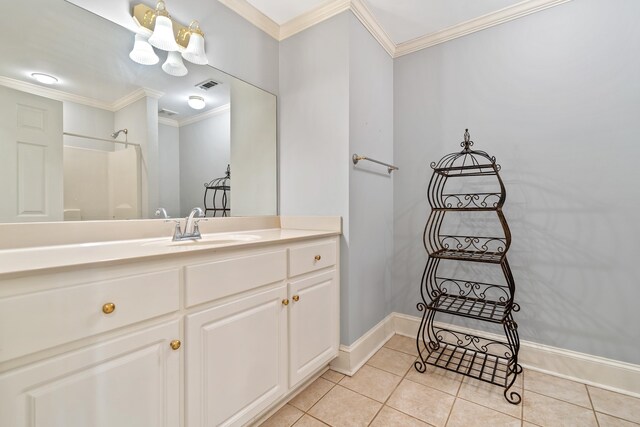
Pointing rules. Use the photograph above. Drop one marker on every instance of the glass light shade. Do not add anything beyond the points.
(174, 65)
(196, 102)
(142, 52)
(162, 36)
(44, 78)
(195, 50)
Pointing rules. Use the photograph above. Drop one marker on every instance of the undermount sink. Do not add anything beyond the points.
(208, 240)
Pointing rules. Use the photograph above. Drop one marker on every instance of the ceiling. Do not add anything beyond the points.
(402, 20)
(400, 26)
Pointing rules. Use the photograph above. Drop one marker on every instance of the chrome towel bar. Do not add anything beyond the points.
(390, 168)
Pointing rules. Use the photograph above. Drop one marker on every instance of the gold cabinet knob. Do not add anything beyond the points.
(296, 298)
(285, 302)
(317, 257)
(175, 344)
(108, 308)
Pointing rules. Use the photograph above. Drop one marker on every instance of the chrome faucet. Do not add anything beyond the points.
(191, 228)
(162, 213)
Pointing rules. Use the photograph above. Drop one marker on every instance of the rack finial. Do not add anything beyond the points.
(467, 143)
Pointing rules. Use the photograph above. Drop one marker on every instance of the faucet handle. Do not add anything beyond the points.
(196, 230)
(177, 232)
(161, 212)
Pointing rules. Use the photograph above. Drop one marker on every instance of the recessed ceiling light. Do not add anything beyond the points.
(196, 102)
(44, 78)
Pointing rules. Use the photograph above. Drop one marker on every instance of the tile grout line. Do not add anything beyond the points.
(394, 389)
(593, 409)
(323, 395)
(455, 399)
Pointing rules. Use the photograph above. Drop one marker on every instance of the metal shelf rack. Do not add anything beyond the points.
(487, 359)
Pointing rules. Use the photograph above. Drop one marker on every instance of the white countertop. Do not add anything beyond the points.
(40, 258)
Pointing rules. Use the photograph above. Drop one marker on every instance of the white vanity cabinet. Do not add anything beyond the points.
(132, 379)
(314, 309)
(210, 338)
(244, 354)
(236, 359)
(236, 351)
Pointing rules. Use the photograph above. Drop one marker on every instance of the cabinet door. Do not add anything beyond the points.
(132, 381)
(313, 324)
(236, 359)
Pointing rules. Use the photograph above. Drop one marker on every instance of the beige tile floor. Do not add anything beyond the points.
(389, 392)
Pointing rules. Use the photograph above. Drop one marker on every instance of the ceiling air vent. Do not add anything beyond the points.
(207, 84)
(167, 113)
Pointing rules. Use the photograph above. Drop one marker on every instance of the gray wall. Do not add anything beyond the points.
(204, 155)
(555, 96)
(336, 87)
(169, 175)
(370, 186)
(313, 114)
(237, 47)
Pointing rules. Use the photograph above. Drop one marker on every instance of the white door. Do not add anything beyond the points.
(313, 324)
(236, 359)
(132, 381)
(30, 157)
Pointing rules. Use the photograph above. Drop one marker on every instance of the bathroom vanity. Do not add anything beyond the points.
(150, 332)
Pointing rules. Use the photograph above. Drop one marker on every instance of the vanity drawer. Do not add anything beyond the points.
(214, 280)
(311, 257)
(41, 320)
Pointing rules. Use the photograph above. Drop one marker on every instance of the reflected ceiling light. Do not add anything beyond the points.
(174, 65)
(142, 52)
(44, 78)
(196, 102)
(165, 34)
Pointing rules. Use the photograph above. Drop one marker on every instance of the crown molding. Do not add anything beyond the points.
(325, 11)
(134, 96)
(254, 16)
(60, 95)
(362, 12)
(168, 122)
(498, 17)
(193, 119)
(51, 93)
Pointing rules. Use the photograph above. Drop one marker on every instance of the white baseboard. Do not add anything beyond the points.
(593, 370)
(352, 357)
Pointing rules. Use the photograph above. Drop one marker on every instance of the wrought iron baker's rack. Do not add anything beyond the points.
(216, 195)
(487, 359)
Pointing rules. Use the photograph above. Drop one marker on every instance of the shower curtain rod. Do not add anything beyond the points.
(77, 135)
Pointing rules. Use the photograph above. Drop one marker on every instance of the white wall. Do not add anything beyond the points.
(141, 119)
(253, 151)
(204, 155)
(555, 96)
(86, 183)
(90, 121)
(169, 170)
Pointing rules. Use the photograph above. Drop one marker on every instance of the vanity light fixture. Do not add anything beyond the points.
(44, 78)
(143, 52)
(157, 29)
(196, 102)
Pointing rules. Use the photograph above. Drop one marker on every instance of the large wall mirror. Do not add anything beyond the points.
(62, 156)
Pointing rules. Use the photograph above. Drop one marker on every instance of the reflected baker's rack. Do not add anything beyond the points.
(217, 196)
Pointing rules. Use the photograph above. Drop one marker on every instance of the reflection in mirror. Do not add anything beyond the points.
(61, 155)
